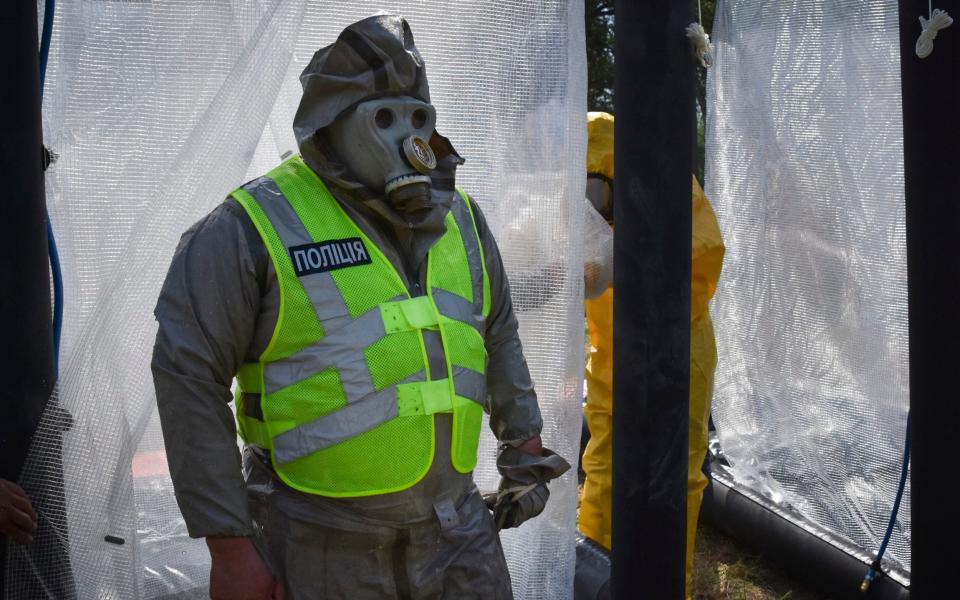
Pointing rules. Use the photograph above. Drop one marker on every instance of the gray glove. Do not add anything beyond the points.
(523, 489)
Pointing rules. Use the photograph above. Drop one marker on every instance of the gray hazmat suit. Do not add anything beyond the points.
(218, 309)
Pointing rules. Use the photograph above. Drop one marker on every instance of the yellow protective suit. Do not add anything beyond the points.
(597, 462)
(707, 259)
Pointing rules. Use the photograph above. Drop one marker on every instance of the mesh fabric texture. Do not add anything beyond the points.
(805, 167)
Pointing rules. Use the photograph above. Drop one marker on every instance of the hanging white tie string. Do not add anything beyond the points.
(937, 20)
(700, 41)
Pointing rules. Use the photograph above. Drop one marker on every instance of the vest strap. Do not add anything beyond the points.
(407, 315)
(254, 431)
(426, 398)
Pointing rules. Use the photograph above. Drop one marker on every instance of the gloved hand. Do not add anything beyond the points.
(523, 489)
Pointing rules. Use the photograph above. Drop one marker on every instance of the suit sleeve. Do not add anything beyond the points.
(514, 410)
(206, 313)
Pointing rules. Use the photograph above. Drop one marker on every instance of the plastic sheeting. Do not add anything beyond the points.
(157, 110)
(597, 252)
(805, 167)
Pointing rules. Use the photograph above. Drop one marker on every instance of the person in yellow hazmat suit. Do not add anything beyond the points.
(707, 259)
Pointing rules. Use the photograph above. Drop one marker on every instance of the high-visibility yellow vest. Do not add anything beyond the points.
(344, 396)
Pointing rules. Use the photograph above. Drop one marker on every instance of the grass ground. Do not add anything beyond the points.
(727, 570)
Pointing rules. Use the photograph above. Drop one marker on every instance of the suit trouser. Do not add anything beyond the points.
(326, 551)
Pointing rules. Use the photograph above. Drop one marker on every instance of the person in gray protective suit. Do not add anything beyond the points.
(360, 301)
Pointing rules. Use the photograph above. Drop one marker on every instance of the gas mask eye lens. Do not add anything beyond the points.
(419, 118)
(384, 118)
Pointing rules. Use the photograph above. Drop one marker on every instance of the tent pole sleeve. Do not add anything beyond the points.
(931, 148)
(654, 146)
(24, 276)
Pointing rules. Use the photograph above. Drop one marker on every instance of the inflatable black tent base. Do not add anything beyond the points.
(804, 556)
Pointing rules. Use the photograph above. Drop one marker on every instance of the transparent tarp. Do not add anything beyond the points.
(157, 110)
(805, 168)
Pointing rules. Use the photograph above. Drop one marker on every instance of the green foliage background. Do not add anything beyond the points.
(599, 28)
(599, 17)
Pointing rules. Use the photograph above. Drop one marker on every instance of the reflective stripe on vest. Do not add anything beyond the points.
(403, 400)
(333, 352)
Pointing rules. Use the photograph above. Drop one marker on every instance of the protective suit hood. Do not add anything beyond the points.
(372, 58)
(600, 144)
(600, 163)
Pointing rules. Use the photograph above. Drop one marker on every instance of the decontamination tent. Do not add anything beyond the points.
(157, 109)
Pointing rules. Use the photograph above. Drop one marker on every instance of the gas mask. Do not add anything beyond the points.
(385, 145)
(600, 195)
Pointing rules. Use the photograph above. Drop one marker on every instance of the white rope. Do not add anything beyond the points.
(938, 19)
(700, 40)
(701, 44)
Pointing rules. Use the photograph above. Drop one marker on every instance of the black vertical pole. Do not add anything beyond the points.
(654, 140)
(24, 272)
(931, 147)
(27, 371)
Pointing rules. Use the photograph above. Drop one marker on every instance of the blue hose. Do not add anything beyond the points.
(875, 566)
(48, 11)
(57, 295)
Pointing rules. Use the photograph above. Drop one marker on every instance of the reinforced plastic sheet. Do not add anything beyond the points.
(157, 110)
(805, 167)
